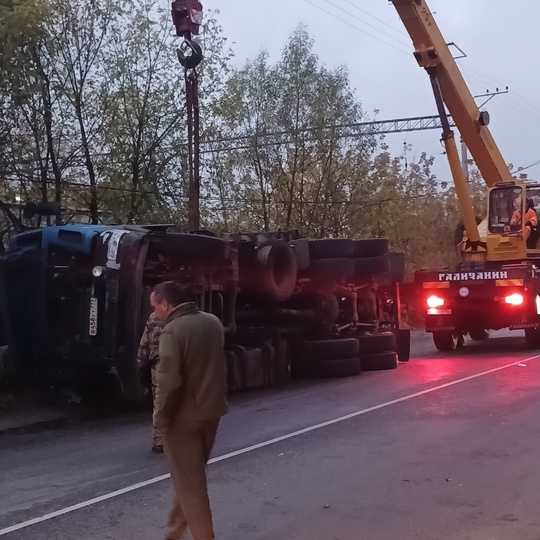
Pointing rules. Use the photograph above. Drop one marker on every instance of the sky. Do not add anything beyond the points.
(501, 40)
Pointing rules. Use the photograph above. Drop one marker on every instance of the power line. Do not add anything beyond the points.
(528, 166)
(377, 19)
(366, 23)
(354, 26)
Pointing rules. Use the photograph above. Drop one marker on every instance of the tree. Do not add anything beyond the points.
(297, 163)
(82, 34)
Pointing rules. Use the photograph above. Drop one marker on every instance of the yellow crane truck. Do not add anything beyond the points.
(496, 284)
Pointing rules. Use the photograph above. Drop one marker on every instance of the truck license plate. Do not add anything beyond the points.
(93, 317)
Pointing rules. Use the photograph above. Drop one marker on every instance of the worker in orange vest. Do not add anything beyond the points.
(531, 222)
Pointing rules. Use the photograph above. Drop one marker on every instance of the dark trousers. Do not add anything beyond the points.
(188, 445)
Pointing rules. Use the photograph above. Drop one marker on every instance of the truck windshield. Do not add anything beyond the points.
(505, 209)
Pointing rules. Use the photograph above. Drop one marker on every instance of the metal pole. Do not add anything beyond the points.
(194, 161)
(196, 225)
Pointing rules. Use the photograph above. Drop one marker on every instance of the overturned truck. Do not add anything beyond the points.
(74, 301)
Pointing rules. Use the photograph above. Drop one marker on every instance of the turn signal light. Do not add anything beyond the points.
(515, 299)
(435, 302)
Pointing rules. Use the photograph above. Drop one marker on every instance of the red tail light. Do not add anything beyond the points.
(435, 302)
(515, 299)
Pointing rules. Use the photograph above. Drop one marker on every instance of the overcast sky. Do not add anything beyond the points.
(501, 40)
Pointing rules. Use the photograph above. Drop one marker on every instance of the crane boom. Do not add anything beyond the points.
(433, 54)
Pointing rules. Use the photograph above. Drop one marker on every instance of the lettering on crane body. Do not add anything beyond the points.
(472, 276)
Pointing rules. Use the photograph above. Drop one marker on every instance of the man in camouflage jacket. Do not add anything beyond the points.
(147, 357)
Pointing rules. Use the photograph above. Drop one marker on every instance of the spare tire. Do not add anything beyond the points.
(330, 248)
(325, 349)
(339, 367)
(373, 247)
(277, 271)
(376, 343)
(379, 361)
(403, 344)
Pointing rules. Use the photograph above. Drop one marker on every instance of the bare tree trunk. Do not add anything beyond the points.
(47, 119)
(93, 206)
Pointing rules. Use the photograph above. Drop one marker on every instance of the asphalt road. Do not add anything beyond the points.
(444, 447)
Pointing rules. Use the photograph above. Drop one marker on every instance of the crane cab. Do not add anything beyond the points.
(510, 234)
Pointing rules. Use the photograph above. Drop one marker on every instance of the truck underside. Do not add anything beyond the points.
(290, 306)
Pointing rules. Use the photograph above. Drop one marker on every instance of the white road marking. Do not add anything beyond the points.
(253, 447)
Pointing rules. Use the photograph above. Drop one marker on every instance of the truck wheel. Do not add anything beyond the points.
(330, 248)
(379, 361)
(339, 367)
(330, 349)
(479, 334)
(278, 272)
(307, 357)
(376, 343)
(446, 341)
(332, 268)
(403, 345)
(372, 247)
(532, 337)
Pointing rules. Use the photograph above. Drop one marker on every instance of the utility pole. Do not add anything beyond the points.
(187, 18)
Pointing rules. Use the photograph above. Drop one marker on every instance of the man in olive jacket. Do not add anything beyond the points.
(191, 389)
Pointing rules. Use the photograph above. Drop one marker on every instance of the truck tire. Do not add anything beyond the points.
(307, 356)
(379, 361)
(479, 334)
(339, 367)
(330, 248)
(532, 337)
(376, 343)
(277, 270)
(332, 268)
(403, 345)
(371, 265)
(372, 247)
(330, 349)
(446, 341)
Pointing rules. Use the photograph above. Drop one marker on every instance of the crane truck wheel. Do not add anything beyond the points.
(446, 341)
(332, 268)
(330, 248)
(479, 334)
(379, 361)
(532, 337)
(373, 247)
(277, 270)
